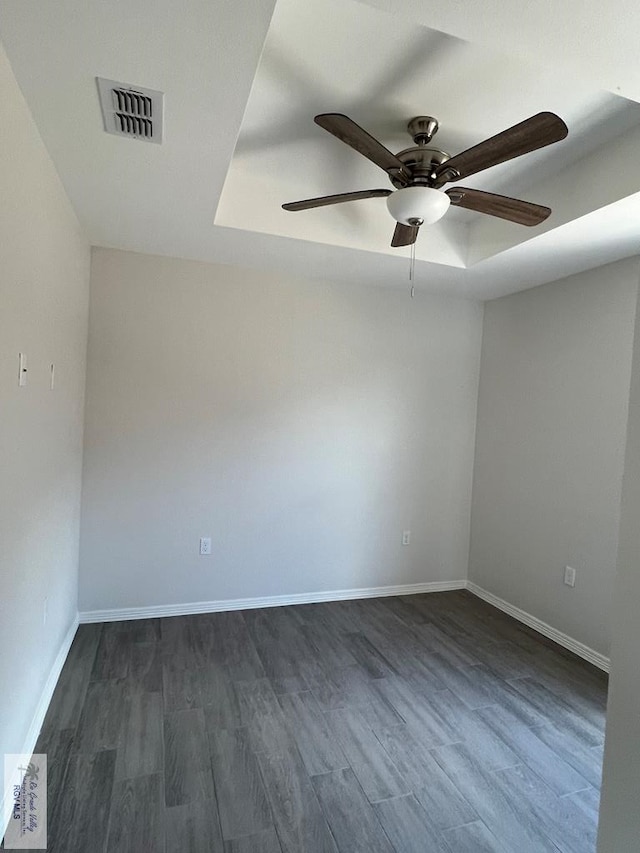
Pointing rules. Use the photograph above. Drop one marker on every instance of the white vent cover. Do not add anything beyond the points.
(131, 110)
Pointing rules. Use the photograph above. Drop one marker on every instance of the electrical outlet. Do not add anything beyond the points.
(569, 576)
(45, 608)
(406, 537)
(205, 545)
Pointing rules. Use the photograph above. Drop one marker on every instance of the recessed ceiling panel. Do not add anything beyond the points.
(343, 56)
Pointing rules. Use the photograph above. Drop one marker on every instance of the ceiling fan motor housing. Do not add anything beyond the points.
(422, 163)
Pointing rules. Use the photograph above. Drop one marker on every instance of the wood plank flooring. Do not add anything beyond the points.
(430, 723)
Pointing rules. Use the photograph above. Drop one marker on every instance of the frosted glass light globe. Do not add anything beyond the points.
(418, 203)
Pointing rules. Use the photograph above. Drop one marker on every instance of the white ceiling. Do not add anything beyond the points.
(255, 72)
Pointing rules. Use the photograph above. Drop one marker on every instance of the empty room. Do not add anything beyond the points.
(319, 427)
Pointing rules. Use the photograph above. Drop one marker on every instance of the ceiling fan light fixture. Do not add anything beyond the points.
(418, 205)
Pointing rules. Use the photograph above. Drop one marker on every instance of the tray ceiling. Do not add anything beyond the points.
(240, 138)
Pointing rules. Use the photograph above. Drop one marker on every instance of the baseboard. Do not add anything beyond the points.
(565, 640)
(187, 609)
(41, 710)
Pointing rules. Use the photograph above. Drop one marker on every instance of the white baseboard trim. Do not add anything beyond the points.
(565, 640)
(49, 687)
(186, 609)
(189, 608)
(38, 717)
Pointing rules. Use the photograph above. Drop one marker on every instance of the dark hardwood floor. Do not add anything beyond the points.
(411, 724)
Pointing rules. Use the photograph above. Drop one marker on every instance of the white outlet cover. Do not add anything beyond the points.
(205, 545)
(569, 576)
(406, 537)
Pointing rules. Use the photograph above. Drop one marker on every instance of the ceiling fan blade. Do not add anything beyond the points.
(352, 134)
(405, 235)
(513, 209)
(335, 199)
(533, 133)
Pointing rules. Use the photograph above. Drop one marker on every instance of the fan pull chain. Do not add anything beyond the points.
(412, 270)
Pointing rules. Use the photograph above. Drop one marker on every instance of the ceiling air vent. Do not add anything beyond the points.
(130, 110)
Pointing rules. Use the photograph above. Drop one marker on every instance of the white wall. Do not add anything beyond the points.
(552, 412)
(620, 806)
(301, 425)
(44, 291)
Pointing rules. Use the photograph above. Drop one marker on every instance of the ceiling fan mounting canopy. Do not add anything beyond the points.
(423, 129)
(419, 172)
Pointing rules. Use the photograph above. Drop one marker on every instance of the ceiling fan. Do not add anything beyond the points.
(418, 173)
